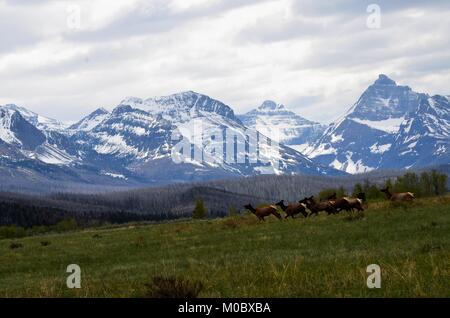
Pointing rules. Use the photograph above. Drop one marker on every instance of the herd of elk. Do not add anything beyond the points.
(332, 205)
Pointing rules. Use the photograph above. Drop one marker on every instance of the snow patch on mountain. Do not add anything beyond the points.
(376, 148)
(351, 166)
(390, 125)
(51, 155)
(114, 175)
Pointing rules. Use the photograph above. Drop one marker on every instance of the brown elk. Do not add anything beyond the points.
(355, 203)
(293, 209)
(338, 204)
(362, 196)
(262, 212)
(341, 204)
(401, 196)
(316, 207)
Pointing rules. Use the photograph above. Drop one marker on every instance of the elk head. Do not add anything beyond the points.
(250, 208)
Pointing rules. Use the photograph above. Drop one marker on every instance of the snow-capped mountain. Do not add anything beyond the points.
(27, 141)
(423, 138)
(377, 131)
(135, 144)
(91, 120)
(139, 142)
(40, 122)
(276, 121)
(18, 132)
(181, 107)
(139, 135)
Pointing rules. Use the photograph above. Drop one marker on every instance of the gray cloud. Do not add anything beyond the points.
(315, 57)
(156, 17)
(355, 7)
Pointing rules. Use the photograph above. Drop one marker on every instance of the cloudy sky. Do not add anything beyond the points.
(63, 59)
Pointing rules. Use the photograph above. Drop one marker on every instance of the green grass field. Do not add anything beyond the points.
(324, 256)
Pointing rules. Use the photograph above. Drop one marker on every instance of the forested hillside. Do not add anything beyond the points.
(174, 201)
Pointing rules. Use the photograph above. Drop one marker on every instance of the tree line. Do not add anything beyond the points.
(423, 184)
(219, 198)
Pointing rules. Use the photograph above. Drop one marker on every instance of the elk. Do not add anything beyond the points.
(293, 209)
(341, 204)
(262, 212)
(338, 204)
(355, 203)
(362, 196)
(401, 196)
(315, 207)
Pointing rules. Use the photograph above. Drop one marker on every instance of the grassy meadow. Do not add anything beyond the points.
(324, 256)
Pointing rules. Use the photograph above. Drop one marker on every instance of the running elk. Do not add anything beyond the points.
(293, 209)
(341, 204)
(262, 212)
(355, 203)
(401, 196)
(316, 207)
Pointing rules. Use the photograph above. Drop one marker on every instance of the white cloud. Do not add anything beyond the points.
(316, 59)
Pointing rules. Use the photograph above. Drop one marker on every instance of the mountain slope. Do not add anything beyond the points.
(423, 138)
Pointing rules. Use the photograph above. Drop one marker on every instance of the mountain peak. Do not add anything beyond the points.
(131, 100)
(270, 105)
(185, 95)
(39, 121)
(90, 121)
(183, 105)
(189, 92)
(100, 111)
(384, 80)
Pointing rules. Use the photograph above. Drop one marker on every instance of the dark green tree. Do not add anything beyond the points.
(358, 188)
(200, 211)
(426, 184)
(439, 182)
